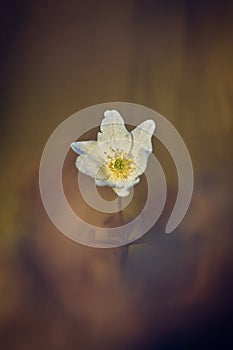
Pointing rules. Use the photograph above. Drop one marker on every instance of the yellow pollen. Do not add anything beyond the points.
(120, 165)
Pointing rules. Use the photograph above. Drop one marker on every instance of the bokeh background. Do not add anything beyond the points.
(172, 56)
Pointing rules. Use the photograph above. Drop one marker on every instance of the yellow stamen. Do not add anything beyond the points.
(120, 165)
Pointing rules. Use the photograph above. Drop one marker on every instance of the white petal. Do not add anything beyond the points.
(142, 134)
(88, 165)
(126, 184)
(102, 176)
(124, 191)
(121, 192)
(101, 183)
(140, 158)
(91, 162)
(142, 145)
(112, 116)
(108, 181)
(113, 130)
(83, 147)
(132, 183)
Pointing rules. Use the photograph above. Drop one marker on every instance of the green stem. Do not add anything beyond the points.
(125, 248)
(120, 211)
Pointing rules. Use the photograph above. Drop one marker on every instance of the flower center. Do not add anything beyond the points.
(120, 165)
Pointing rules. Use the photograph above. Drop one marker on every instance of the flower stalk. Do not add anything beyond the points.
(125, 248)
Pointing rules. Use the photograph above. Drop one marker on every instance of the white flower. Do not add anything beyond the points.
(118, 157)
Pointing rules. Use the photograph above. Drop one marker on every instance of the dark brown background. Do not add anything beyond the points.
(59, 57)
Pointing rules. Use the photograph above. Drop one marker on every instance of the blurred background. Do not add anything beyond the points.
(59, 57)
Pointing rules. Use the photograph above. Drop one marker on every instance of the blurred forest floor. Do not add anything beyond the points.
(172, 56)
